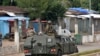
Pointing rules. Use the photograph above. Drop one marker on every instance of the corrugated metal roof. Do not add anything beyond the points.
(13, 9)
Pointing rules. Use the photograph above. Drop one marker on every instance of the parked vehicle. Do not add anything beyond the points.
(49, 45)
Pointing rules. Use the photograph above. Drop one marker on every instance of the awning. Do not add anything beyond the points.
(12, 18)
(11, 14)
(8, 13)
(89, 15)
(71, 15)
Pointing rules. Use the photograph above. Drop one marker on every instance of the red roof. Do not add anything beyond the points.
(12, 9)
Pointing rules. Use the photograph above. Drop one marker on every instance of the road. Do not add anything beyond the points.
(89, 46)
(19, 54)
(82, 48)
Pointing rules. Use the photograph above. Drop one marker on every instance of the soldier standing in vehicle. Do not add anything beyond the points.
(49, 28)
(30, 32)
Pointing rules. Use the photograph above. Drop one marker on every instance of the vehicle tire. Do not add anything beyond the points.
(76, 50)
(59, 53)
(27, 55)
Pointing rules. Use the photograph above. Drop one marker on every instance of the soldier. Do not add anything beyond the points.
(30, 32)
(49, 28)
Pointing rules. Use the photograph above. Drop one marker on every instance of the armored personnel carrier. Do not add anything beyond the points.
(49, 45)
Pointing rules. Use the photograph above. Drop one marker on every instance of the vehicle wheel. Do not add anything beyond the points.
(76, 50)
(27, 55)
(59, 53)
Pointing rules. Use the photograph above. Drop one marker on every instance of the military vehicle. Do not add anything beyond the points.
(49, 45)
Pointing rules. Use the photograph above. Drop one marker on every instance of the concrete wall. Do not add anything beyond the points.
(90, 38)
(87, 38)
(97, 37)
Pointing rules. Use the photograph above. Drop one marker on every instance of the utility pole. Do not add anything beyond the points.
(91, 24)
(89, 4)
(90, 19)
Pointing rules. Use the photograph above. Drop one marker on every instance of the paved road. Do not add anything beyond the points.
(82, 48)
(20, 54)
(89, 46)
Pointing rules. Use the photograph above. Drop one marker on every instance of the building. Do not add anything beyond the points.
(7, 16)
(80, 21)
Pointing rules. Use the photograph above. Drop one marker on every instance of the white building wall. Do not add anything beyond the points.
(67, 21)
(97, 37)
(90, 38)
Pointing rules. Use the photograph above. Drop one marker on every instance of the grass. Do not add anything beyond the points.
(85, 53)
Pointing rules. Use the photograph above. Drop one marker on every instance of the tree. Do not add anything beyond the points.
(35, 8)
(55, 12)
(75, 3)
(9, 3)
(1, 2)
(56, 9)
(38, 8)
(84, 3)
(95, 4)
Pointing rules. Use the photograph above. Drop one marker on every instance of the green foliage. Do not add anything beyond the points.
(1, 2)
(34, 7)
(9, 3)
(95, 4)
(75, 3)
(6, 2)
(54, 11)
(84, 3)
(86, 53)
(48, 9)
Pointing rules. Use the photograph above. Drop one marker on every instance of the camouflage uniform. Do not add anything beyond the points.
(30, 32)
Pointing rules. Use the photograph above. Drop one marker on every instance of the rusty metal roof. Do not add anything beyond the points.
(13, 9)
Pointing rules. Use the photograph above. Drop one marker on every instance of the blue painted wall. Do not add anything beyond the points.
(4, 27)
(4, 24)
(36, 26)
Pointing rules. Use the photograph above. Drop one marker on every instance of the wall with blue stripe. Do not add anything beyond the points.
(4, 27)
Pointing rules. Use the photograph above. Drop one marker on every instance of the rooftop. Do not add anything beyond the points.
(13, 9)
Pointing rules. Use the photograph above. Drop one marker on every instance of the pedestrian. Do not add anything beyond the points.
(0, 39)
(0, 35)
